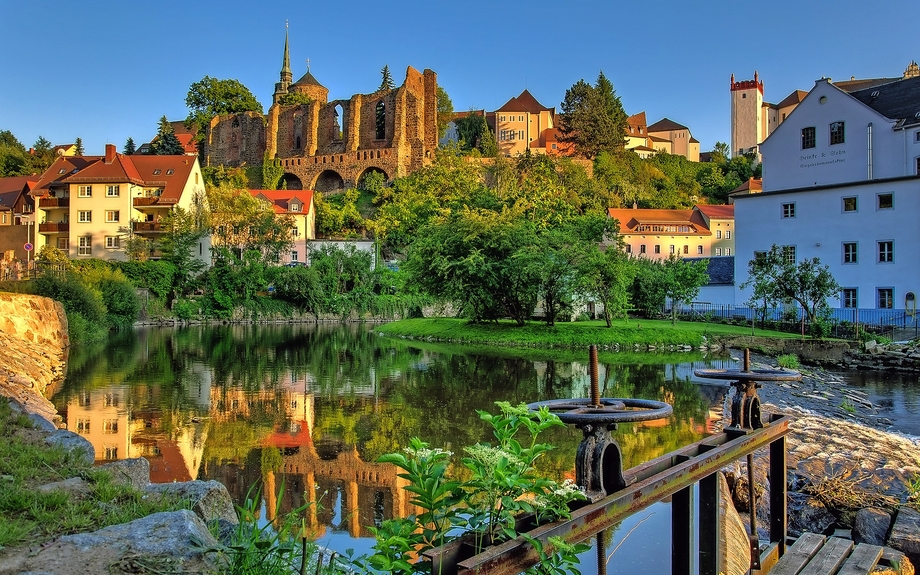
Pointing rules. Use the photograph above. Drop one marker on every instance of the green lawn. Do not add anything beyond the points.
(624, 333)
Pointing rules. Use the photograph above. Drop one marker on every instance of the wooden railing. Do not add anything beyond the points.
(53, 228)
(142, 227)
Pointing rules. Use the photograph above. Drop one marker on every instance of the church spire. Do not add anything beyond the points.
(286, 74)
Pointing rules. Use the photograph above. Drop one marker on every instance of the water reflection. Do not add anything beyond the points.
(312, 407)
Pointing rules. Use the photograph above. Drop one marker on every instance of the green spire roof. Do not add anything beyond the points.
(286, 65)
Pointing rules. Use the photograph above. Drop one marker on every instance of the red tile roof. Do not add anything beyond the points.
(666, 125)
(280, 199)
(637, 120)
(525, 102)
(719, 212)
(794, 98)
(631, 219)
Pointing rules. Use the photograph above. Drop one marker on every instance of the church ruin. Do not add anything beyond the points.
(326, 146)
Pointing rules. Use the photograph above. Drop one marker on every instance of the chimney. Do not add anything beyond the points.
(109, 153)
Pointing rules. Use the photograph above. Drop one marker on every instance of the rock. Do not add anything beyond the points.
(41, 423)
(905, 535)
(73, 486)
(210, 500)
(73, 442)
(163, 542)
(132, 472)
(807, 513)
(871, 526)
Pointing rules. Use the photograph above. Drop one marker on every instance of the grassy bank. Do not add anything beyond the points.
(625, 333)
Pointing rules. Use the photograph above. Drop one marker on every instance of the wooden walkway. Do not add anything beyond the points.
(814, 554)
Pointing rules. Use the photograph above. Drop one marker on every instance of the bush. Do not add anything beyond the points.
(788, 361)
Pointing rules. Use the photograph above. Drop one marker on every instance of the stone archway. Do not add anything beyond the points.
(291, 182)
(329, 181)
(369, 171)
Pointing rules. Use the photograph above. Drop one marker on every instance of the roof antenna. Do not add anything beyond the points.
(308, 65)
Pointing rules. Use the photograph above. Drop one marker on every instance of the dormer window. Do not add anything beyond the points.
(62, 170)
(295, 207)
(156, 172)
(169, 172)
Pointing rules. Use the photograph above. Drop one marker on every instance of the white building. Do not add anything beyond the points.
(841, 184)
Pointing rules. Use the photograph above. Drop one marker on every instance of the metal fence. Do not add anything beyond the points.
(12, 272)
(896, 324)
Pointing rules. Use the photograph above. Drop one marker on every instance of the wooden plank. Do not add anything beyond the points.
(768, 558)
(862, 560)
(829, 559)
(799, 554)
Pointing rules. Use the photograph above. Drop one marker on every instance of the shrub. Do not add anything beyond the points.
(788, 361)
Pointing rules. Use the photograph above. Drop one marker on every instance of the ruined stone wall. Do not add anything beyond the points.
(236, 139)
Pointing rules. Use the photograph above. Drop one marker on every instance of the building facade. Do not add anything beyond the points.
(523, 124)
(703, 231)
(90, 206)
(841, 184)
(298, 207)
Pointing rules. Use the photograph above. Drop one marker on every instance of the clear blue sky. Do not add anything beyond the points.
(105, 70)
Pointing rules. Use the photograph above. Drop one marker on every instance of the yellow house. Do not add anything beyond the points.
(704, 231)
(89, 206)
(682, 143)
(522, 124)
(298, 206)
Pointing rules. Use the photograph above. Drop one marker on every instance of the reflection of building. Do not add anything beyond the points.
(102, 417)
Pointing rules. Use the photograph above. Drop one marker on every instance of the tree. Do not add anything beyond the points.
(295, 99)
(683, 280)
(593, 119)
(386, 80)
(79, 145)
(776, 276)
(720, 153)
(210, 97)
(605, 275)
(129, 147)
(470, 130)
(166, 143)
(241, 223)
(445, 111)
(182, 232)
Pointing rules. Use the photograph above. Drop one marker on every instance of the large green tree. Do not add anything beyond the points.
(445, 111)
(605, 275)
(210, 97)
(592, 118)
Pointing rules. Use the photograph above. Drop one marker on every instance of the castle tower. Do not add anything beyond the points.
(748, 128)
(281, 88)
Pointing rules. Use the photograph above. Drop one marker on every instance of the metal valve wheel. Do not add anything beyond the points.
(607, 411)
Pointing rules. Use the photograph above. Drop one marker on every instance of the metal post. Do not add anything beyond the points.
(709, 522)
(778, 493)
(682, 530)
(595, 386)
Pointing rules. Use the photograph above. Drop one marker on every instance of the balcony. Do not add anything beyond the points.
(53, 228)
(49, 202)
(149, 201)
(147, 227)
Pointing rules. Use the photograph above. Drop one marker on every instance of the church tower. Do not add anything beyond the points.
(748, 127)
(281, 88)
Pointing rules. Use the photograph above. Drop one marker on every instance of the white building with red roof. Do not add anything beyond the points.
(298, 206)
(89, 206)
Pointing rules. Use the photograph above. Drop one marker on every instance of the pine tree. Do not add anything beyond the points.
(129, 147)
(79, 144)
(386, 82)
(166, 143)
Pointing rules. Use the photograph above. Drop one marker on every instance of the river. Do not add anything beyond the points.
(320, 403)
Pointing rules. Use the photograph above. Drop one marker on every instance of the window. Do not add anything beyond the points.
(671, 250)
(157, 171)
(849, 204)
(111, 216)
(885, 201)
(808, 138)
(789, 210)
(849, 252)
(836, 133)
(85, 216)
(886, 251)
(554, 147)
(112, 191)
(728, 234)
(657, 248)
(112, 242)
(82, 426)
(86, 246)
(295, 207)
(718, 251)
(111, 453)
(628, 249)
(885, 298)
(4, 217)
(85, 192)
(63, 243)
(642, 249)
(686, 249)
(110, 426)
(917, 136)
(728, 251)
(918, 166)
(718, 234)
(170, 172)
(110, 400)
(520, 134)
(381, 121)
(699, 250)
(295, 232)
(848, 297)
(294, 256)
(789, 254)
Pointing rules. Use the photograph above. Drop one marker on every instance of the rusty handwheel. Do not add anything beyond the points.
(607, 411)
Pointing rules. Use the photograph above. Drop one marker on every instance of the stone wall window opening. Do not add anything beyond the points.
(808, 137)
(85, 192)
(886, 251)
(885, 201)
(885, 298)
(380, 113)
(297, 143)
(338, 121)
(112, 191)
(849, 252)
(849, 298)
(849, 204)
(836, 136)
(789, 210)
(788, 253)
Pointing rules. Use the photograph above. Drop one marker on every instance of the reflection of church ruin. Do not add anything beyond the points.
(327, 145)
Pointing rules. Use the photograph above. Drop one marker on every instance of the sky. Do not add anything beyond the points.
(105, 71)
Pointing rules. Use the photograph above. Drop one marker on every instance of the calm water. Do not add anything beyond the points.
(324, 402)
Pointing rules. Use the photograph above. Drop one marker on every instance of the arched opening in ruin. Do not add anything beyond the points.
(338, 122)
(362, 179)
(381, 120)
(329, 181)
(291, 182)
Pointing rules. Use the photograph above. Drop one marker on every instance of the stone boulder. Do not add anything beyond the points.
(174, 542)
(131, 472)
(807, 513)
(905, 534)
(74, 443)
(871, 526)
(210, 500)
